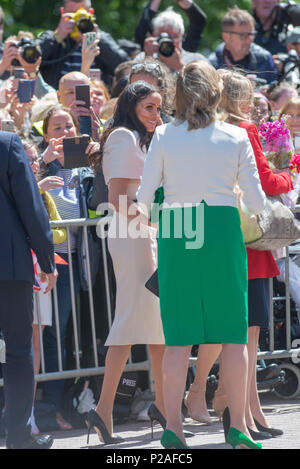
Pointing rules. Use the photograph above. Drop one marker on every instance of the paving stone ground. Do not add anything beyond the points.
(283, 414)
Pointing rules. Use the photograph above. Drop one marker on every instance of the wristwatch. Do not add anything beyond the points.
(33, 75)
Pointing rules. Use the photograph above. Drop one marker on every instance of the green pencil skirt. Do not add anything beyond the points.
(202, 273)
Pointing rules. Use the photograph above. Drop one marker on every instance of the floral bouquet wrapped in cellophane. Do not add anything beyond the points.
(278, 145)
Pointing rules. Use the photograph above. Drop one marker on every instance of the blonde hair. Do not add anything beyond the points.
(198, 92)
(237, 90)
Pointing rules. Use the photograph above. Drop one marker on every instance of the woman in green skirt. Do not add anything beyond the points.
(202, 264)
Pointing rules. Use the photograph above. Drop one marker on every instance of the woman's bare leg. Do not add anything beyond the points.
(156, 353)
(235, 363)
(175, 367)
(116, 358)
(207, 355)
(253, 333)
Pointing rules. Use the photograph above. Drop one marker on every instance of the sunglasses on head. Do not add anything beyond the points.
(144, 67)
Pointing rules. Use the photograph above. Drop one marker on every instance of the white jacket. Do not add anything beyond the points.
(202, 164)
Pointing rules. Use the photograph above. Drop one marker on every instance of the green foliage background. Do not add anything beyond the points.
(118, 17)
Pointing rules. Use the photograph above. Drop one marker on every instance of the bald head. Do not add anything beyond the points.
(67, 85)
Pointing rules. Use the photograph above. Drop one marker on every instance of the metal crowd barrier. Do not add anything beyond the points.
(102, 224)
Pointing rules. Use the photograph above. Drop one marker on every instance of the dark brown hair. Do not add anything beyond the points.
(125, 116)
(52, 111)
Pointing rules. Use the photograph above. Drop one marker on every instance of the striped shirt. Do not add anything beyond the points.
(66, 199)
(73, 62)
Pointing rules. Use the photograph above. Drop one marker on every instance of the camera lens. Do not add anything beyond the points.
(30, 54)
(166, 45)
(85, 25)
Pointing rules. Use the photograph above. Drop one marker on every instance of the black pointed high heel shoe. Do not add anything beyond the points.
(272, 431)
(93, 420)
(156, 416)
(226, 422)
(259, 435)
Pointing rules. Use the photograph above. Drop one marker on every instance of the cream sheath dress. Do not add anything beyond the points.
(137, 316)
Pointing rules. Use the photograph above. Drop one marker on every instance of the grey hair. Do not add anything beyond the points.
(169, 18)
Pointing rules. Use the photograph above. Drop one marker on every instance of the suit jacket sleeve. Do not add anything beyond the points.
(29, 205)
(272, 184)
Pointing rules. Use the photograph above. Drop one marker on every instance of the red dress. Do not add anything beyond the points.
(261, 264)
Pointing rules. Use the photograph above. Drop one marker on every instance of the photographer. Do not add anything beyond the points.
(197, 22)
(238, 50)
(166, 44)
(62, 48)
(22, 51)
(272, 20)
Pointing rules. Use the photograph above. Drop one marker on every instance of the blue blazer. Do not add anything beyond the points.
(24, 221)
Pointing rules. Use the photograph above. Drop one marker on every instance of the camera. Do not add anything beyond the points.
(286, 14)
(84, 21)
(30, 51)
(291, 67)
(166, 45)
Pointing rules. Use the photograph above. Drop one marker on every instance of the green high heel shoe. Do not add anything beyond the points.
(170, 440)
(236, 438)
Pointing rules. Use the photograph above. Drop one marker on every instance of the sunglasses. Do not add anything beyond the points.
(144, 67)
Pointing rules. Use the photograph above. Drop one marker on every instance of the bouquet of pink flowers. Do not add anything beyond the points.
(278, 145)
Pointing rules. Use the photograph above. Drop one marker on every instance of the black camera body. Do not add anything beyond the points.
(291, 67)
(166, 45)
(286, 14)
(30, 51)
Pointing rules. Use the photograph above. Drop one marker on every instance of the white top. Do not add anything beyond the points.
(123, 157)
(202, 164)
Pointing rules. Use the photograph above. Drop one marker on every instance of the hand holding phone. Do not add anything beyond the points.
(75, 155)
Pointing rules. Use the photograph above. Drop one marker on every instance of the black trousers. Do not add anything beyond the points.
(16, 316)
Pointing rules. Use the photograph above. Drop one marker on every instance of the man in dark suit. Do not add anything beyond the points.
(24, 225)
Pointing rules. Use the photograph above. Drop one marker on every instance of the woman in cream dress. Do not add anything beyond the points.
(137, 316)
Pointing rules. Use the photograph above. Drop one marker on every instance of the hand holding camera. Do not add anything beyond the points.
(65, 26)
(76, 23)
(9, 54)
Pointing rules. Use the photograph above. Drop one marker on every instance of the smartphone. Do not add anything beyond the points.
(25, 90)
(83, 93)
(19, 72)
(74, 152)
(7, 125)
(89, 38)
(95, 74)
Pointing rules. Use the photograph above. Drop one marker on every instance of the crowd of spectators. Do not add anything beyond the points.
(264, 45)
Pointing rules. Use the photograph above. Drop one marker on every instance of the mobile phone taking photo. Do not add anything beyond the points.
(19, 72)
(74, 152)
(88, 39)
(95, 74)
(26, 90)
(7, 125)
(82, 93)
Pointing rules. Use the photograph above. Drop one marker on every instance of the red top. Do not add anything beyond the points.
(261, 264)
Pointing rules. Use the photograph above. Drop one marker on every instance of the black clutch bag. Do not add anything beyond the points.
(152, 283)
